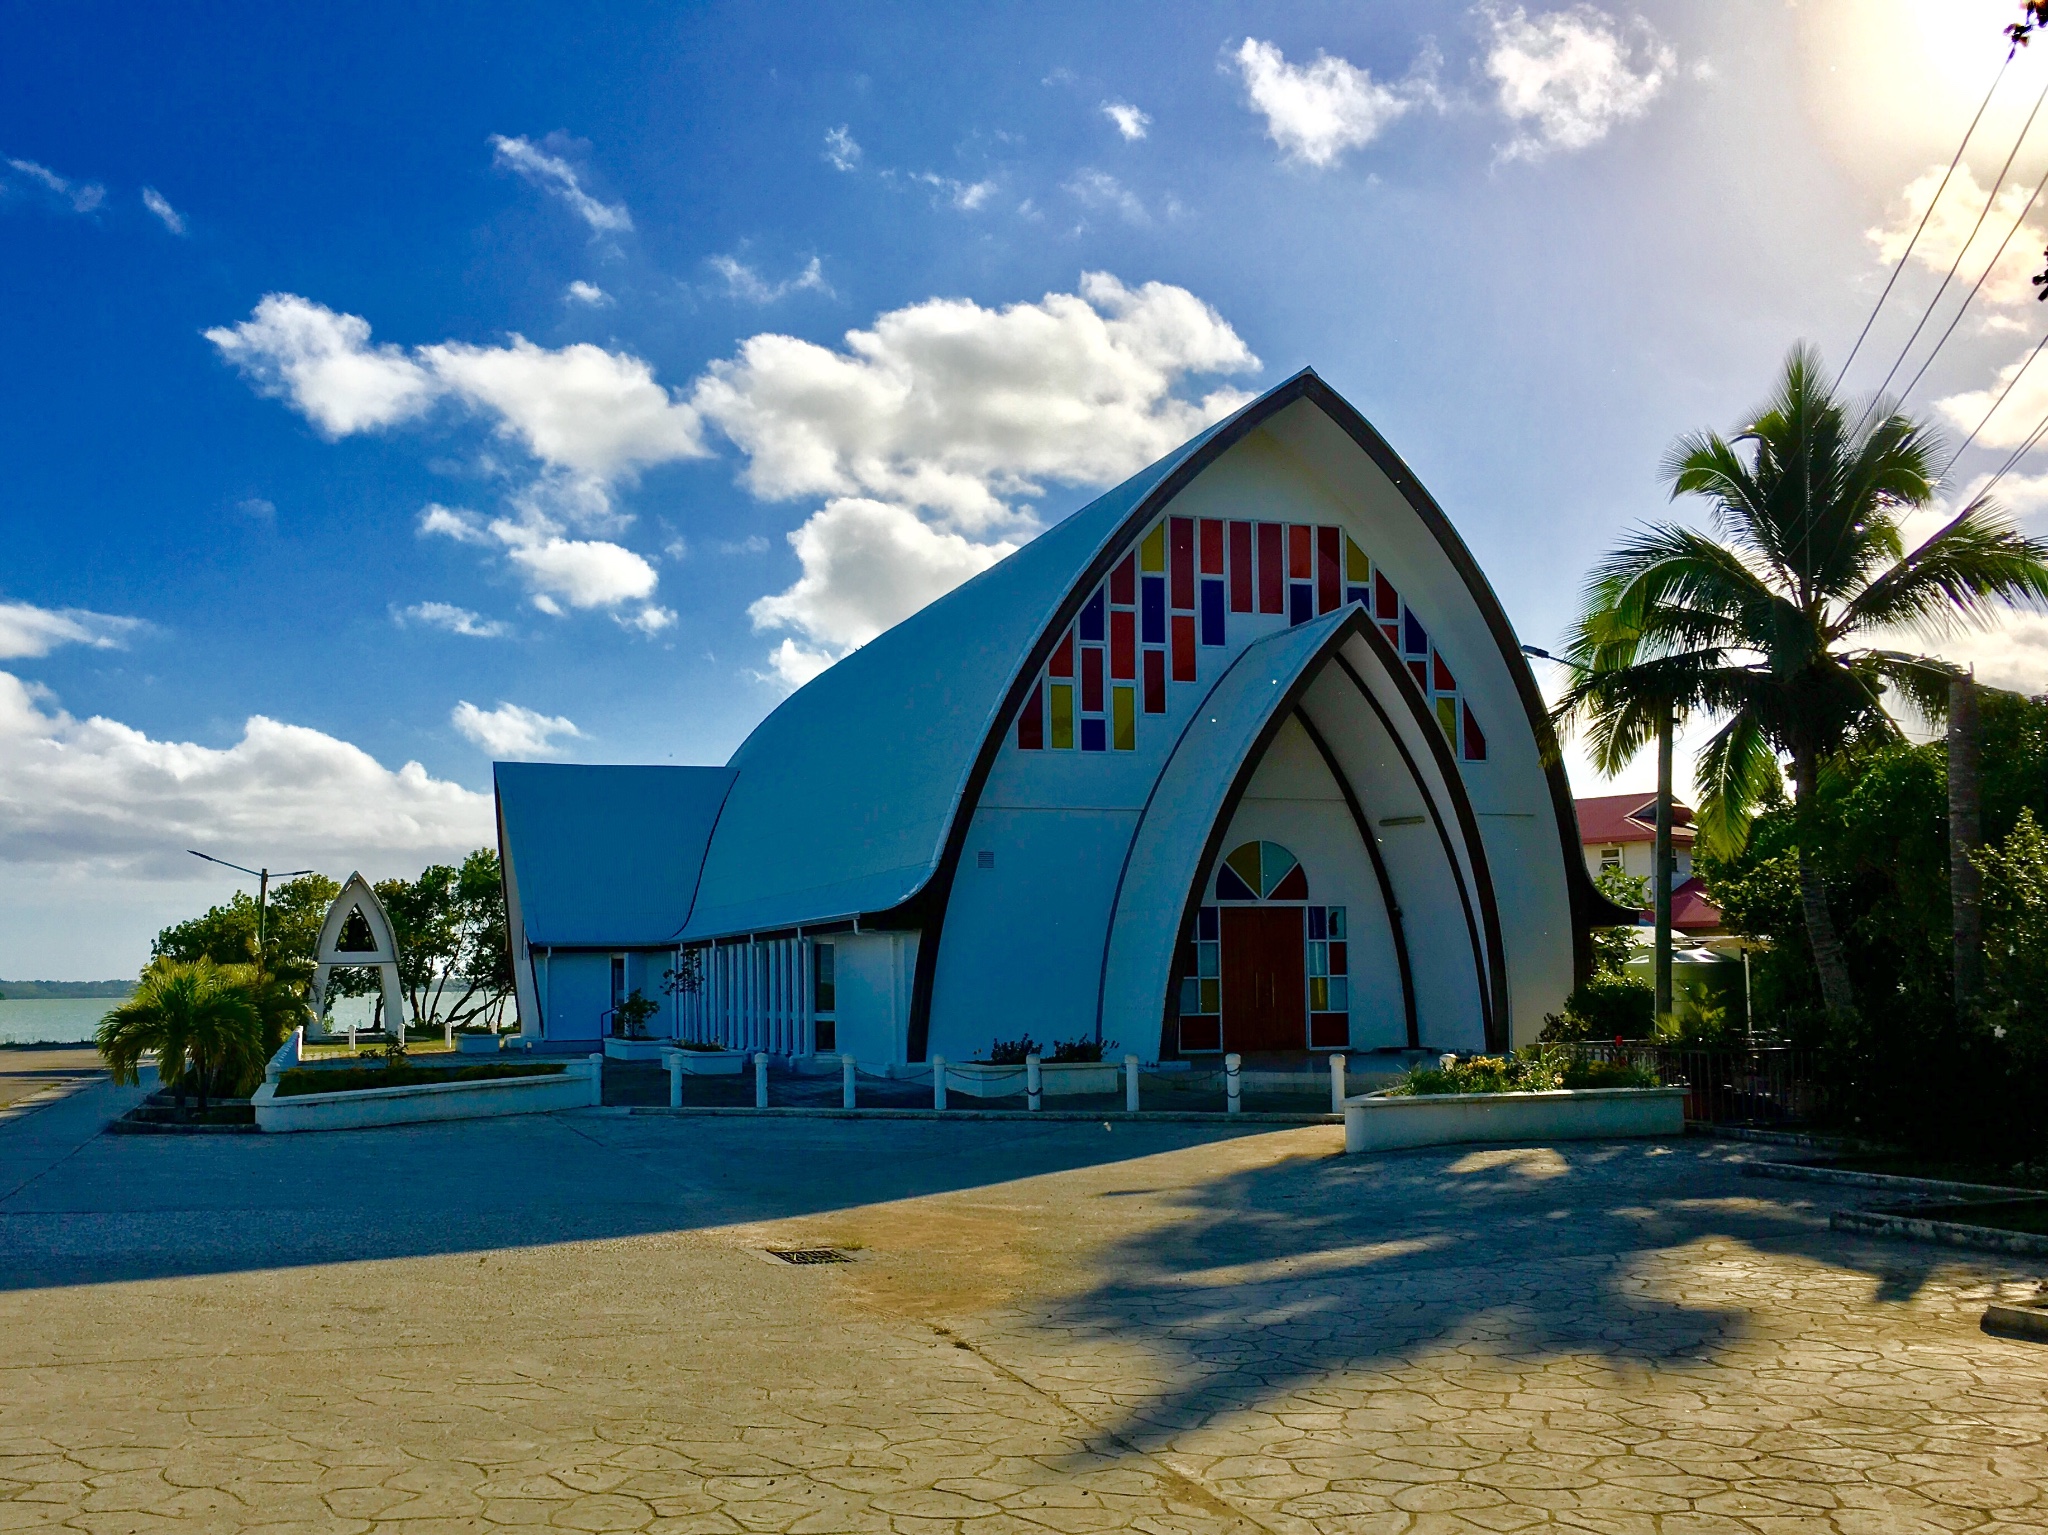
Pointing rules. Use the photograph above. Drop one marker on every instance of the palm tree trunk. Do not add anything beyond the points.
(1965, 833)
(1829, 962)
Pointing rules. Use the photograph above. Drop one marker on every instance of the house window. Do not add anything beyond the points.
(618, 979)
(824, 999)
(1610, 860)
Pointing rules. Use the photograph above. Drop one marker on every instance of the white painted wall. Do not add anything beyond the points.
(874, 975)
(1638, 859)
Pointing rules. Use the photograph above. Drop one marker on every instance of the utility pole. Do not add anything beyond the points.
(1665, 868)
(263, 878)
(1965, 834)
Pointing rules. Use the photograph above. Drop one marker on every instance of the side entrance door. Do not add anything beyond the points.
(1265, 992)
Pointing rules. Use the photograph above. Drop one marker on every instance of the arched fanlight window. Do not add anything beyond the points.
(1261, 871)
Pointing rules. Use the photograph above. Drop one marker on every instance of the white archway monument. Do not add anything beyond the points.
(357, 898)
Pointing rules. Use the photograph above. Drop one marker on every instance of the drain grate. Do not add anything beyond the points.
(809, 1255)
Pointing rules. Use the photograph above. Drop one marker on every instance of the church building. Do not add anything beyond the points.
(1242, 756)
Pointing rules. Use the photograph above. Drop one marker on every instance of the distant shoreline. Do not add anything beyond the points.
(38, 991)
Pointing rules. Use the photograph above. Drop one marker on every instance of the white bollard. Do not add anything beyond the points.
(351, 1039)
(1233, 1089)
(1130, 1084)
(845, 1081)
(675, 1079)
(760, 1079)
(1034, 1096)
(597, 1080)
(938, 1081)
(448, 1031)
(1337, 1083)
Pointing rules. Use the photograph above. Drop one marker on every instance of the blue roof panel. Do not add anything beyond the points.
(606, 855)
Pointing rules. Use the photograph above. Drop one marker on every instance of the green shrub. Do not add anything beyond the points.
(1532, 1069)
(1075, 1052)
(1010, 1052)
(1607, 1007)
(355, 1079)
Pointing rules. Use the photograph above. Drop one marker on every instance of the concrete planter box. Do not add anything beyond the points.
(978, 1081)
(637, 1049)
(707, 1063)
(476, 1044)
(579, 1085)
(1375, 1123)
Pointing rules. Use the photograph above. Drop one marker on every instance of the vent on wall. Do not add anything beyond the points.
(984, 859)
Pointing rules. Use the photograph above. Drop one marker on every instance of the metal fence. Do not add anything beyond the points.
(1760, 1085)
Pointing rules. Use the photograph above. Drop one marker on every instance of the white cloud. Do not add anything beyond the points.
(323, 364)
(650, 620)
(867, 565)
(1099, 189)
(510, 732)
(1316, 111)
(584, 573)
(581, 292)
(1566, 77)
(2015, 419)
(753, 543)
(967, 196)
(158, 204)
(27, 631)
(446, 615)
(793, 665)
(552, 173)
(84, 197)
(1941, 241)
(98, 794)
(458, 523)
(579, 407)
(924, 433)
(957, 409)
(743, 282)
(841, 152)
(1130, 122)
(257, 509)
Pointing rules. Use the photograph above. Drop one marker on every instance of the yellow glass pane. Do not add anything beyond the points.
(1212, 996)
(1318, 994)
(1447, 716)
(1357, 568)
(1123, 719)
(1152, 552)
(1062, 716)
(1244, 862)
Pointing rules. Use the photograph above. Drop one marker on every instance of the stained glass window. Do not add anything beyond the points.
(1180, 545)
(1329, 961)
(1155, 682)
(1212, 611)
(1123, 719)
(1061, 696)
(1240, 567)
(1261, 871)
(1329, 572)
(1272, 569)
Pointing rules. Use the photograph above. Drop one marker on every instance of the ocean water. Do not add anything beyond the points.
(64, 1020)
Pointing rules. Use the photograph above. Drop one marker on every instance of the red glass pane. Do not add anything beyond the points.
(1123, 582)
(1300, 558)
(1329, 569)
(1393, 634)
(1475, 739)
(1180, 549)
(1326, 1031)
(1031, 723)
(1386, 602)
(1421, 674)
(1062, 663)
(1155, 682)
(1445, 682)
(1272, 569)
(1212, 547)
(1340, 959)
(1183, 647)
(1123, 645)
(1240, 567)
(1293, 888)
(1201, 1033)
(1091, 679)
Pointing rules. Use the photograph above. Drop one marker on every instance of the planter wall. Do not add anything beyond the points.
(978, 1081)
(706, 1063)
(1373, 1123)
(476, 1044)
(579, 1085)
(616, 1049)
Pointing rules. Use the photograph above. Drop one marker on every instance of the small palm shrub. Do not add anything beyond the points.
(199, 1021)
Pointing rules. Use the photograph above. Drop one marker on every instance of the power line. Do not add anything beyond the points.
(1986, 419)
(1982, 277)
(1905, 254)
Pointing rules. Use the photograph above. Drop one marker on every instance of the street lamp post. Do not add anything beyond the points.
(1662, 869)
(263, 878)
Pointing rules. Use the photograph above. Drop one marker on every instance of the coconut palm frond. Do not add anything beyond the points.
(1737, 772)
(1961, 577)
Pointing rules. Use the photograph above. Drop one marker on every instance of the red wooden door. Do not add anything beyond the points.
(1265, 989)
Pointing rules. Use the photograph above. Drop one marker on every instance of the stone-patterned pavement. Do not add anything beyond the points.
(570, 1321)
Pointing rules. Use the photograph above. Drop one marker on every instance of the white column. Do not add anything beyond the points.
(803, 992)
(1337, 1083)
(846, 1070)
(1032, 1083)
(938, 1081)
(1131, 1084)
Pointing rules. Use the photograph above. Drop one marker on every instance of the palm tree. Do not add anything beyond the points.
(1772, 622)
(198, 1020)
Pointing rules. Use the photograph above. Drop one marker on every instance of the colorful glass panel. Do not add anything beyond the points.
(1153, 613)
(1419, 670)
(1386, 602)
(1212, 547)
(1318, 921)
(1319, 994)
(1212, 611)
(1240, 567)
(1091, 679)
(1207, 924)
(1155, 682)
(1301, 602)
(1123, 582)
(1415, 638)
(1340, 994)
(1329, 569)
(1475, 739)
(1275, 864)
(1180, 549)
(1091, 617)
(1340, 958)
(1123, 719)
(1200, 1034)
(1123, 645)
(1229, 887)
(1062, 663)
(1358, 594)
(1301, 563)
(1061, 698)
(1244, 862)
(1094, 735)
(1152, 550)
(1184, 647)
(1357, 568)
(1441, 674)
(1272, 569)
(1031, 723)
(1336, 922)
(1447, 716)
(1293, 888)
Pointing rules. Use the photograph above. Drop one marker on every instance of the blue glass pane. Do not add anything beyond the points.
(1091, 616)
(1414, 638)
(1230, 888)
(1206, 923)
(1358, 594)
(1212, 612)
(1340, 994)
(1190, 995)
(1205, 959)
(1301, 602)
(1315, 922)
(1153, 611)
(1336, 922)
(1094, 735)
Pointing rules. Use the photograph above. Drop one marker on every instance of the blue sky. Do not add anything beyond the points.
(390, 390)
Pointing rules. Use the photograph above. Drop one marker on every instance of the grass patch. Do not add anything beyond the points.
(356, 1079)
